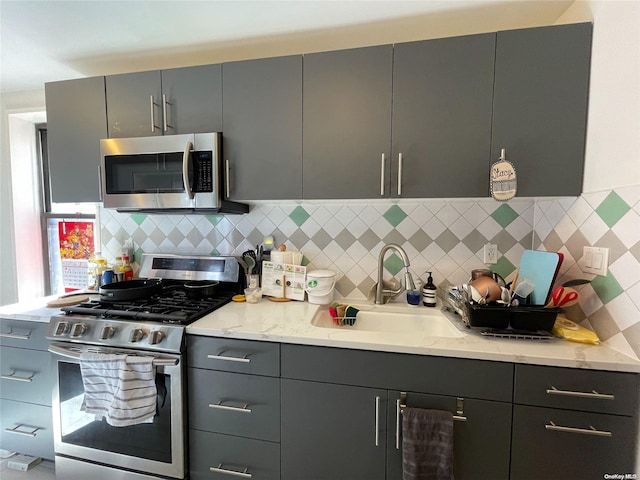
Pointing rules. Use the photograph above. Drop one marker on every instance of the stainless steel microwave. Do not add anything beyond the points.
(166, 174)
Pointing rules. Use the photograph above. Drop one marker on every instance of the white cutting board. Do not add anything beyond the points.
(540, 269)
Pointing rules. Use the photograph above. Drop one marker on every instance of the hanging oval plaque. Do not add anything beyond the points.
(503, 180)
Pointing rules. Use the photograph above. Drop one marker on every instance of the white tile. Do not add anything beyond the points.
(628, 229)
(620, 343)
(565, 228)
(462, 206)
(554, 213)
(579, 211)
(245, 227)
(594, 199)
(593, 228)
(435, 205)
(448, 215)
(266, 226)
(434, 227)
(630, 194)
(287, 227)
(357, 227)
(460, 254)
(589, 301)
(634, 294)
(310, 227)
(623, 311)
(382, 228)
(461, 228)
(519, 228)
(407, 227)
(543, 228)
(421, 214)
(489, 228)
(626, 270)
(475, 215)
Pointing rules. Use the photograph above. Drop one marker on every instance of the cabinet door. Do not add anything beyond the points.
(194, 96)
(540, 106)
(554, 443)
(442, 101)
(481, 443)
(134, 104)
(26, 428)
(347, 123)
(332, 432)
(263, 127)
(76, 121)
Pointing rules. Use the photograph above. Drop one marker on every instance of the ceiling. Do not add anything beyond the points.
(49, 40)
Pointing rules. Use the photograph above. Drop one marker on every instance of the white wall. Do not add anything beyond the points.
(613, 134)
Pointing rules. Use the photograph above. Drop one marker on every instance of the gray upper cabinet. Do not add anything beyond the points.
(181, 100)
(263, 127)
(76, 121)
(540, 106)
(347, 123)
(442, 101)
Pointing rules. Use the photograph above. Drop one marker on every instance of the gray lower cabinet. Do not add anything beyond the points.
(540, 106)
(442, 102)
(347, 123)
(573, 424)
(263, 127)
(165, 102)
(26, 385)
(332, 432)
(234, 408)
(339, 405)
(76, 121)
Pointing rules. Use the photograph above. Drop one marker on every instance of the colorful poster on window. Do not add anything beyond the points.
(76, 246)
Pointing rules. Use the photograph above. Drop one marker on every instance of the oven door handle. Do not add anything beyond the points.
(68, 353)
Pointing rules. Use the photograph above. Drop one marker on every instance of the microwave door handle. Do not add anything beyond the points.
(185, 170)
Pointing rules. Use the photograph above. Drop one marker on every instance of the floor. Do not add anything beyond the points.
(43, 471)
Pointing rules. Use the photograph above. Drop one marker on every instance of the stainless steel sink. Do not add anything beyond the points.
(393, 319)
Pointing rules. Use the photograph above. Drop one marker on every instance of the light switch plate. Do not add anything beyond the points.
(595, 260)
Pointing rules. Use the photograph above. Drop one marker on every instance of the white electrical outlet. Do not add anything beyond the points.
(490, 254)
(595, 260)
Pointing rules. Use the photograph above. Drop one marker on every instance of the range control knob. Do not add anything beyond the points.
(62, 328)
(107, 333)
(78, 329)
(137, 334)
(156, 337)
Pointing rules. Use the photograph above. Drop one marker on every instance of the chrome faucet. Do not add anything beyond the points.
(384, 295)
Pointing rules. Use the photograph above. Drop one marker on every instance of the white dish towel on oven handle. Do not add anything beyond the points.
(120, 388)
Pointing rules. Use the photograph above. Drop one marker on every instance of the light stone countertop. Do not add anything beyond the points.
(290, 322)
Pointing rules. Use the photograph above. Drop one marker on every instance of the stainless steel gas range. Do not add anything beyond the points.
(147, 324)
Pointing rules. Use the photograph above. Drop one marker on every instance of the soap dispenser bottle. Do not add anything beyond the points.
(429, 292)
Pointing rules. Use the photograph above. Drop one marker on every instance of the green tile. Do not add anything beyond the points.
(137, 255)
(504, 267)
(138, 217)
(395, 215)
(504, 215)
(299, 215)
(393, 263)
(612, 209)
(607, 288)
(214, 219)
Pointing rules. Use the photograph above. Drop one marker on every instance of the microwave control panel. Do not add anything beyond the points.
(203, 177)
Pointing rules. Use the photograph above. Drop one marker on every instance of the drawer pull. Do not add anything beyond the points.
(592, 394)
(377, 421)
(13, 376)
(15, 430)
(242, 474)
(220, 406)
(230, 359)
(584, 431)
(15, 336)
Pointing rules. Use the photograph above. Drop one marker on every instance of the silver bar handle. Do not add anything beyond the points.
(165, 124)
(153, 119)
(382, 176)
(568, 393)
(219, 469)
(13, 376)
(15, 336)
(227, 181)
(185, 170)
(399, 174)
(220, 406)
(100, 182)
(377, 421)
(503, 155)
(398, 413)
(583, 431)
(15, 430)
(68, 353)
(230, 359)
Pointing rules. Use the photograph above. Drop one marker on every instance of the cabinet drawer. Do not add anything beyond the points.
(27, 375)
(574, 389)
(552, 443)
(230, 355)
(235, 404)
(26, 428)
(259, 460)
(395, 371)
(23, 334)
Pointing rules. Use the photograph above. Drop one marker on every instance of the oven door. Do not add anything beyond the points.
(153, 448)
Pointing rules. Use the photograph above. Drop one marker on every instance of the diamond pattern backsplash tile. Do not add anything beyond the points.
(445, 237)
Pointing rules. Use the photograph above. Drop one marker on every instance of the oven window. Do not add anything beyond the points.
(148, 440)
(145, 173)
